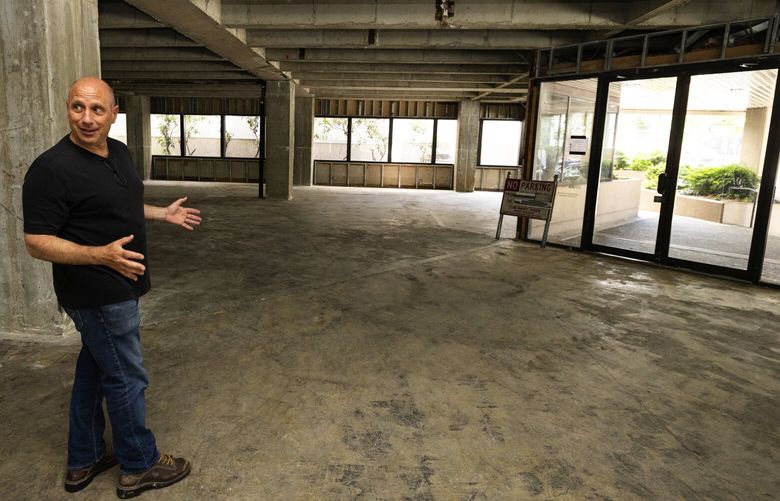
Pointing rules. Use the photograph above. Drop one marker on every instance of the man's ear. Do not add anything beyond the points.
(115, 112)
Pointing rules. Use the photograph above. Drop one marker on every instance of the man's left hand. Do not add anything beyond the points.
(185, 217)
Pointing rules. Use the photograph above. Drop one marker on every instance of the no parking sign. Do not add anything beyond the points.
(532, 199)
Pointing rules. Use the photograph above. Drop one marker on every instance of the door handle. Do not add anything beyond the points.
(661, 187)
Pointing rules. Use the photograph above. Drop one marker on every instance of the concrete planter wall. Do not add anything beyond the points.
(618, 203)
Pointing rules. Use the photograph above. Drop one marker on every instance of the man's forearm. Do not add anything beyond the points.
(154, 213)
(58, 250)
(114, 255)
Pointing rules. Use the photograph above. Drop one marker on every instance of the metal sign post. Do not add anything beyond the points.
(531, 199)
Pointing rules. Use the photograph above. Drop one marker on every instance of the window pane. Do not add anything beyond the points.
(242, 136)
(446, 140)
(412, 140)
(370, 138)
(330, 139)
(166, 135)
(201, 135)
(501, 142)
(119, 129)
(565, 113)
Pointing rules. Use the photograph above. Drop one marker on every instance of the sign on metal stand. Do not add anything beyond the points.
(531, 199)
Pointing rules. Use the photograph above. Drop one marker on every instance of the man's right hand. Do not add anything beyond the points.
(123, 261)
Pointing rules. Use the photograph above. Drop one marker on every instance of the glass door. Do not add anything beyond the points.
(771, 270)
(636, 140)
(721, 160)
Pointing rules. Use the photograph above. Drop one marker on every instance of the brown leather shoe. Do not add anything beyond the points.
(166, 471)
(75, 480)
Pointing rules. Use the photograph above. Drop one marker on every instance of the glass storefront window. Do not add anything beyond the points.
(166, 135)
(370, 139)
(565, 113)
(446, 141)
(242, 136)
(412, 140)
(330, 138)
(119, 129)
(501, 142)
(201, 135)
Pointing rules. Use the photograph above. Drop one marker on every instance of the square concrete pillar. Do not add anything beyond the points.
(280, 138)
(468, 142)
(139, 133)
(304, 123)
(45, 47)
(754, 138)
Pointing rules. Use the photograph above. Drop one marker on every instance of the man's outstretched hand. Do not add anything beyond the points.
(116, 257)
(185, 217)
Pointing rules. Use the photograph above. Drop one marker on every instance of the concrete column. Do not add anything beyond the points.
(139, 133)
(44, 47)
(280, 138)
(754, 137)
(304, 123)
(468, 142)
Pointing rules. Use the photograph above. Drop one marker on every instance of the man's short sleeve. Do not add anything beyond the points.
(43, 201)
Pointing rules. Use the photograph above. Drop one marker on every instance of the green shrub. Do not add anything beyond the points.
(621, 161)
(717, 181)
(651, 176)
(646, 161)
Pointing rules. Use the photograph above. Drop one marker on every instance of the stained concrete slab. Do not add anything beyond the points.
(379, 344)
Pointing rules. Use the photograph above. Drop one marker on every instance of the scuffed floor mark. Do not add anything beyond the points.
(371, 444)
(404, 412)
(418, 480)
(532, 483)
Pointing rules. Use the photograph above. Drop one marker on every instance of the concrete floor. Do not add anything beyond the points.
(368, 344)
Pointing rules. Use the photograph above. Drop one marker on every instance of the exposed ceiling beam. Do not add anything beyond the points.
(379, 86)
(411, 39)
(178, 75)
(187, 89)
(657, 14)
(427, 57)
(384, 14)
(477, 69)
(481, 14)
(121, 15)
(503, 86)
(201, 26)
(335, 76)
(201, 66)
(149, 37)
(386, 94)
(638, 12)
(394, 84)
(176, 54)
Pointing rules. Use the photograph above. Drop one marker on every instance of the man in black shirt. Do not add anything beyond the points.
(84, 212)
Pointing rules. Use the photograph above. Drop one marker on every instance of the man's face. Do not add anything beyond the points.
(91, 112)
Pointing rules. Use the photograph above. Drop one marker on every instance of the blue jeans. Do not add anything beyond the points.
(110, 366)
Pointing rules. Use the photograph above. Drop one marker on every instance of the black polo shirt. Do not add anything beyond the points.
(82, 197)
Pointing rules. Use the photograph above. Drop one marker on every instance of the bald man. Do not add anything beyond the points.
(84, 212)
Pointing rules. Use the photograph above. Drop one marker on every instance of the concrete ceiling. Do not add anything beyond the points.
(388, 49)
